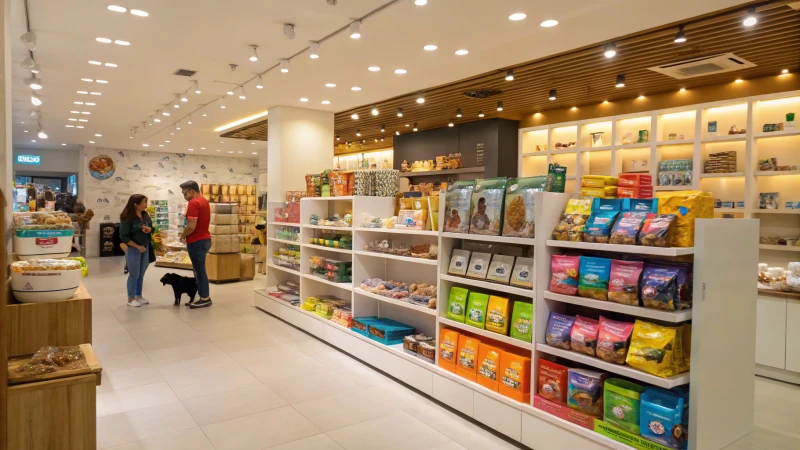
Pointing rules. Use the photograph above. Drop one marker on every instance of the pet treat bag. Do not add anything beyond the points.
(660, 286)
(686, 207)
(558, 330)
(623, 283)
(497, 315)
(556, 178)
(621, 404)
(467, 353)
(657, 230)
(612, 340)
(488, 365)
(552, 381)
(598, 227)
(476, 309)
(522, 275)
(573, 221)
(655, 349)
(586, 391)
(626, 229)
(522, 321)
(448, 345)
(593, 277)
(564, 278)
(457, 305)
(520, 206)
(487, 206)
(458, 206)
(583, 336)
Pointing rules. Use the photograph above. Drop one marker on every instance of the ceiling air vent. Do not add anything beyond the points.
(185, 72)
(482, 93)
(707, 65)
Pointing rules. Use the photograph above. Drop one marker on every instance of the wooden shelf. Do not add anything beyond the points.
(411, 306)
(635, 249)
(725, 138)
(488, 334)
(638, 311)
(488, 285)
(775, 173)
(411, 259)
(500, 239)
(722, 175)
(443, 172)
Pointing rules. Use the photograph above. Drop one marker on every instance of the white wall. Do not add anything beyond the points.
(300, 142)
(156, 175)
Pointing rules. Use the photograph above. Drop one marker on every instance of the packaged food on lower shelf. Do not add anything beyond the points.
(476, 309)
(421, 294)
(466, 364)
(331, 269)
(343, 316)
(522, 321)
(333, 240)
(515, 380)
(658, 350)
(421, 346)
(385, 331)
(488, 366)
(287, 256)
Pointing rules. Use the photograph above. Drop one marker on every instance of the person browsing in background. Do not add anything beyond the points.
(134, 232)
(198, 239)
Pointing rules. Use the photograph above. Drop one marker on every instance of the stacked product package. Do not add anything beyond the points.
(376, 183)
(224, 227)
(635, 185)
(721, 162)
(599, 186)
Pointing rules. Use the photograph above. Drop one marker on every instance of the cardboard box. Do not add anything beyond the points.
(223, 267)
(247, 267)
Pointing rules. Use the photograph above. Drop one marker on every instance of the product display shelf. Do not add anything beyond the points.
(675, 142)
(443, 172)
(486, 333)
(775, 173)
(775, 211)
(285, 224)
(488, 285)
(780, 248)
(722, 175)
(345, 286)
(484, 238)
(411, 259)
(324, 227)
(327, 249)
(620, 248)
(421, 309)
(725, 138)
(730, 210)
(398, 231)
(283, 241)
(785, 132)
(637, 311)
(283, 269)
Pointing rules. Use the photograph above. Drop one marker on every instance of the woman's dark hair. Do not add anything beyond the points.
(129, 213)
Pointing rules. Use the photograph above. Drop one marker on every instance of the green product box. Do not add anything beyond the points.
(621, 404)
(638, 442)
(457, 304)
(522, 322)
(476, 310)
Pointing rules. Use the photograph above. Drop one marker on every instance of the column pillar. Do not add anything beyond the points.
(300, 142)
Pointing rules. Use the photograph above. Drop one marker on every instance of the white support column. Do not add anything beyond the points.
(300, 142)
(6, 154)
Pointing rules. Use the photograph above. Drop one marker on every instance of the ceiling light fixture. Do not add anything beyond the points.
(641, 97)
(383, 128)
(95, 63)
(184, 97)
(751, 18)
(28, 63)
(116, 8)
(284, 65)
(140, 13)
(303, 99)
(549, 23)
(354, 116)
(165, 113)
(510, 75)
(355, 30)
(35, 99)
(42, 134)
(682, 90)
(358, 132)
(82, 120)
(288, 31)
(451, 123)
(326, 102)
(254, 56)
(122, 43)
(481, 114)
(177, 103)
(90, 104)
(420, 2)
(400, 71)
(620, 81)
(605, 102)
(29, 39)
(458, 113)
(430, 47)
(355, 88)
(517, 16)
(785, 71)
(374, 69)
(375, 111)
(337, 137)
(574, 108)
(80, 126)
(462, 52)
(88, 80)
(680, 37)
(415, 126)
(98, 135)
(196, 85)
(397, 133)
(229, 92)
(330, 85)
(610, 50)
(260, 84)
(110, 65)
(420, 99)
(70, 126)
(82, 92)
(33, 82)
(552, 94)
(242, 95)
(95, 93)
(313, 49)
(499, 106)
(103, 40)
(738, 80)
(222, 103)
(205, 114)
(101, 81)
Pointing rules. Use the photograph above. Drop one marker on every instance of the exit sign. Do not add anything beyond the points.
(29, 159)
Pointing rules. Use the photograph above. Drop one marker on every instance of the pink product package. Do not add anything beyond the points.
(612, 342)
(564, 279)
(583, 337)
(623, 283)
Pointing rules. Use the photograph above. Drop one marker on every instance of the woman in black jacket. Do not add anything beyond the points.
(134, 231)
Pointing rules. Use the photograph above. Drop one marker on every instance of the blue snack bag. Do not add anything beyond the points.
(593, 275)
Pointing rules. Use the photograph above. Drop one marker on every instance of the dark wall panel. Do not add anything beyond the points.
(424, 145)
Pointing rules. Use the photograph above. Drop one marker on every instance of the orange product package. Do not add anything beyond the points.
(552, 381)
(467, 365)
(488, 366)
(515, 377)
(448, 349)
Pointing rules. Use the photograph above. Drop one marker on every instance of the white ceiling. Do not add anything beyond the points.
(208, 35)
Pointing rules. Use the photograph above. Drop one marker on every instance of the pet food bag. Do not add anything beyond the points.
(552, 381)
(556, 178)
(623, 282)
(660, 418)
(621, 400)
(583, 335)
(585, 391)
(660, 289)
(522, 274)
(573, 221)
(520, 204)
(598, 227)
(522, 321)
(476, 310)
(497, 315)
(487, 206)
(488, 366)
(466, 365)
(612, 340)
(593, 275)
(655, 349)
(564, 278)
(657, 230)
(515, 377)
(448, 348)
(626, 229)
(558, 330)
(457, 207)
(457, 304)
(687, 206)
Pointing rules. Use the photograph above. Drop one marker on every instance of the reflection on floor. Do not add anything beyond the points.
(233, 377)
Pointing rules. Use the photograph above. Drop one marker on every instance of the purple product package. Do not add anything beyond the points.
(559, 327)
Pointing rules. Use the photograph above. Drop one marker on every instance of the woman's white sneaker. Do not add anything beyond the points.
(135, 302)
(143, 300)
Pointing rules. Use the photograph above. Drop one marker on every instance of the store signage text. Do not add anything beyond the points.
(29, 159)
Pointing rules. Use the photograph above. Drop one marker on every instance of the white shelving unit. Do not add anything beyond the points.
(723, 313)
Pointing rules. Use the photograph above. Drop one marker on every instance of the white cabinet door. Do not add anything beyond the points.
(793, 335)
(771, 332)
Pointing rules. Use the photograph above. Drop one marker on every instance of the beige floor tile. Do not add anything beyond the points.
(196, 367)
(107, 348)
(212, 383)
(451, 446)
(190, 351)
(232, 404)
(365, 376)
(126, 361)
(339, 411)
(773, 440)
(160, 331)
(262, 430)
(124, 379)
(268, 355)
(245, 329)
(337, 360)
(111, 336)
(282, 369)
(318, 442)
(172, 340)
(240, 344)
(382, 433)
(192, 439)
(140, 397)
(132, 426)
(310, 387)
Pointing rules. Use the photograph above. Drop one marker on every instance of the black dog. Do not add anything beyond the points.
(180, 285)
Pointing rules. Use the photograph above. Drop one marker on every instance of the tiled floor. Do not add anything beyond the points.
(232, 377)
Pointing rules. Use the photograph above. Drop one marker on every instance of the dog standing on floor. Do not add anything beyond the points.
(180, 285)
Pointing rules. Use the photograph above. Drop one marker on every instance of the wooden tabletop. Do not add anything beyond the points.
(779, 294)
(92, 366)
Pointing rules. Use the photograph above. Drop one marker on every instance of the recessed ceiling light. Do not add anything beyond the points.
(517, 16)
(95, 93)
(462, 52)
(252, 143)
(374, 69)
(90, 104)
(574, 108)
(72, 120)
(420, 2)
(83, 120)
(202, 148)
(255, 153)
(78, 103)
(145, 145)
(303, 99)
(140, 13)
(70, 126)
(785, 71)
(641, 97)
(330, 85)
(160, 145)
(605, 102)
(91, 142)
(354, 116)
(400, 71)
(355, 88)
(549, 23)
(110, 65)
(116, 8)
(241, 152)
(86, 112)
(95, 63)
(191, 149)
(683, 90)
(326, 102)
(430, 47)
(64, 144)
(80, 126)
(88, 80)
(74, 112)
(123, 43)
(103, 40)
(230, 151)
(407, 125)
(82, 92)
(738, 80)
(167, 141)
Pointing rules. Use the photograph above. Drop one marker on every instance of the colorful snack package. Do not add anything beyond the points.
(573, 221)
(497, 315)
(593, 274)
(556, 178)
(448, 346)
(598, 227)
(585, 391)
(522, 321)
(655, 349)
(552, 381)
(623, 282)
(458, 206)
(500, 269)
(457, 305)
(559, 327)
(626, 229)
(660, 287)
(488, 366)
(487, 206)
(459, 262)
(583, 336)
(607, 204)
(646, 205)
(686, 207)
(564, 279)
(656, 230)
(515, 381)
(520, 203)
(661, 417)
(479, 265)
(467, 357)
(612, 340)
(476, 309)
(522, 275)
(621, 404)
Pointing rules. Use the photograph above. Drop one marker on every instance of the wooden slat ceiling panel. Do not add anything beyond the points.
(581, 77)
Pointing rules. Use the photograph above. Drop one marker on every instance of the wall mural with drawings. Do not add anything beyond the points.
(156, 175)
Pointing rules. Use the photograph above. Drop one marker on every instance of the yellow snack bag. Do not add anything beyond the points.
(573, 221)
(687, 206)
(656, 350)
(497, 315)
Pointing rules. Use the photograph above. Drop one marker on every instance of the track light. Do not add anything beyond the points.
(420, 2)
(337, 137)
(260, 84)
(254, 56)
(177, 103)
(35, 99)
(383, 128)
(29, 39)
(415, 126)
(284, 65)
(749, 20)
(205, 114)
(458, 113)
(510, 75)
(358, 132)
(420, 99)
(288, 31)
(42, 134)
(314, 49)
(165, 113)
(196, 86)
(33, 82)
(355, 30)
(375, 111)
(242, 95)
(151, 120)
(156, 119)
(680, 37)
(184, 97)
(620, 80)
(481, 114)
(499, 106)
(399, 112)
(222, 103)
(610, 50)
(35, 114)
(354, 116)
(27, 63)
(552, 95)
(397, 133)
(451, 123)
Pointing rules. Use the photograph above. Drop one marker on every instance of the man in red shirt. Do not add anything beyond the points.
(198, 239)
